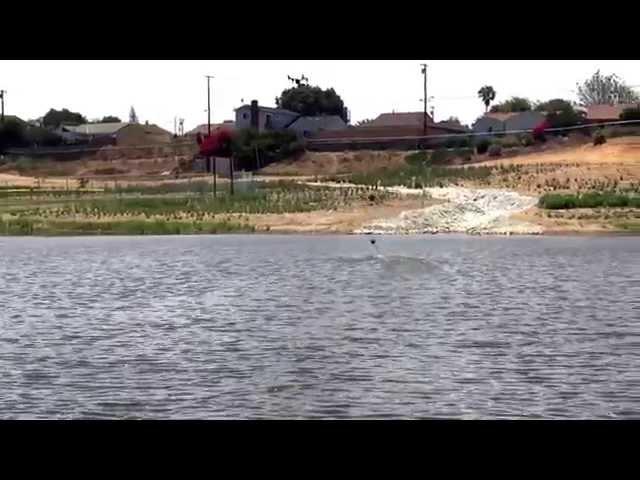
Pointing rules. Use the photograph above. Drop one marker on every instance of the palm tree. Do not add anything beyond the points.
(487, 94)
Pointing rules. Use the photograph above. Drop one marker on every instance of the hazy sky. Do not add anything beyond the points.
(162, 90)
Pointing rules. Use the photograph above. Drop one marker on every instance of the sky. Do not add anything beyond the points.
(161, 90)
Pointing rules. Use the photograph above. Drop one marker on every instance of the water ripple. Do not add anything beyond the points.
(319, 327)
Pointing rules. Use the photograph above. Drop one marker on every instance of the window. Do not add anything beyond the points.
(267, 122)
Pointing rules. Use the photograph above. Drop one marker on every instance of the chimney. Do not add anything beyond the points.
(254, 114)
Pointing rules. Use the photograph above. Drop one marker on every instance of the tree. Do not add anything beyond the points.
(110, 119)
(454, 120)
(39, 136)
(133, 118)
(54, 118)
(12, 134)
(601, 89)
(270, 146)
(554, 105)
(307, 100)
(560, 113)
(514, 104)
(487, 94)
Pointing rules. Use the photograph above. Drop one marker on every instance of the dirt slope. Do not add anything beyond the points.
(623, 150)
(330, 163)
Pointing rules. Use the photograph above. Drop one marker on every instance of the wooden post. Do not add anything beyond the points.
(215, 187)
(231, 172)
(212, 179)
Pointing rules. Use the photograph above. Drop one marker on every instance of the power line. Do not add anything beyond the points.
(424, 121)
(470, 134)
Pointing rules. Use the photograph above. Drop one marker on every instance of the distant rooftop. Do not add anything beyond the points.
(110, 128)
(322, 122)
(13, 118)
(608, 112)
(501, 116)
(268, 109)
(96, 128)
(396, 119)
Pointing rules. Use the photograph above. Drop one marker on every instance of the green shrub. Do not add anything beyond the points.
(451, 143)
(494, 150)
(599, 139)
(482, 145)
(464, 142)
(463, 153)
(439, 156)
(527, 140)
(417, 159)
(630, 114)
(270, 146)
(510, 141)
(559, 201)
(621, 131)
(23, 165)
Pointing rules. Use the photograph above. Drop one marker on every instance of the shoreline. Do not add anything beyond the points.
(315, 233)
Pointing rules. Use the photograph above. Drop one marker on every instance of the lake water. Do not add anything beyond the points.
(320, 327)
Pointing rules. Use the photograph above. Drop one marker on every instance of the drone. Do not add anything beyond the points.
(298, 81)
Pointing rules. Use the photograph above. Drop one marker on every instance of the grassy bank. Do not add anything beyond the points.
(173, 212)
(40, 226)
(421, 176)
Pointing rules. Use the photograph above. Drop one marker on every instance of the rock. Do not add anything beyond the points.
(466, 211)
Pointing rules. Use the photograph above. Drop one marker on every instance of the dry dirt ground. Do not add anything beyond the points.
(54, 174)
(329, 163)
(573, 168)
(336, 221)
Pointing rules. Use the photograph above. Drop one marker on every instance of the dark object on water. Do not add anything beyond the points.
(373, 241)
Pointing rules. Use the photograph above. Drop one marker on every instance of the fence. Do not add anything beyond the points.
(105, 152)
(416, 142)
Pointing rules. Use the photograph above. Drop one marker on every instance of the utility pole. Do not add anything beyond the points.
(2, 92)
(209, 77)
(424, 122)
(212, 160)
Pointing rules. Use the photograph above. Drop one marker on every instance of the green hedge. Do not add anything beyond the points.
(560, 201)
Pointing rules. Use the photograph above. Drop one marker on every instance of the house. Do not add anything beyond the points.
(502, 122)
(415, 119)
(453, 126)
(119, 134)
(13, 118)
(267, 118)
(264, 118)
(309, 126)
(400, 119)
(69, 135)
(607, 112)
